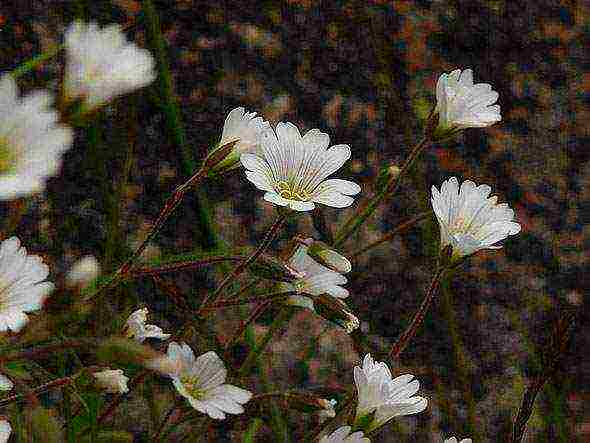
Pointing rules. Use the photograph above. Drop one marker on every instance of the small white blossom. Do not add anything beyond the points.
(5, 430)
(102, 64)
(316, 280)
(343, 435)
(137, 329)
(5, 383)
(83, 272)
(469, 220)
(386, 396)
(112, 381)
(461, 104)
(293, 169)
(22, 285)
(246, 130)
(201, 381)
(454, 440)
(31, 140)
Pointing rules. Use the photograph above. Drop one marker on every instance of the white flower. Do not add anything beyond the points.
(468, 219)
(102, 64)
(112, 381)
(22, 285)
(5, 430)
(83, 272)
(293, 169)
(5, 383)
(386, 396)
(31, 140)
(343, 435)
(454, 440)
(461, 104)
(137, 329)
(316, 280)
(202, 382)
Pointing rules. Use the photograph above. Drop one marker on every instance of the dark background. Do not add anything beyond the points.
(365, 73)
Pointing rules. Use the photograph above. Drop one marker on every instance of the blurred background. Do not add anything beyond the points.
(365, 73)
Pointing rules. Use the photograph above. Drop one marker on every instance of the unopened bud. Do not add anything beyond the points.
(83, 272)
(271, 268)
(220, 158)
(124, 351)
(112, 381)
(336, 311)
(329, 258)
(308, 403)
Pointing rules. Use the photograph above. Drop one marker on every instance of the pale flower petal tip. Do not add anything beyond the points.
(83, 272)
(5, 383)
(344, 435)
(32, 140)
(102, 64)
(293, 169)
(112, 381)
(22, 279)
(202, 382)
(383, 395)
(454, 440)
(5, 431)
(462, 104)
(469, 219)
(136, 327)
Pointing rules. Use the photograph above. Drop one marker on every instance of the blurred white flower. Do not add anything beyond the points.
(5, 383)
(102, 64)
(343, 435)
(316, 280)
(387, 397)
(470, 221)
(31, 140)
(136, 327)
(22, 285)
(5, 430)
(84, 271)
(461, 104)
(201, 381)
(454, 440)
(246, 130)
(293, 169)
(112, 381)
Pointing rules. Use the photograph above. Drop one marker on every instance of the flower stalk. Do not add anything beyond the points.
(354, 223)
(412, 329)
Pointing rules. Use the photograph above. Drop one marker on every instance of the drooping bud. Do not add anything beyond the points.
(271, 268)
(327, 257)
(336, 311)
(112, 381)
(305, 402)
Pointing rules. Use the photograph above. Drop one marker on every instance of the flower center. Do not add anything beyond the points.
(7, 156)
(191, 384)
(288, 191)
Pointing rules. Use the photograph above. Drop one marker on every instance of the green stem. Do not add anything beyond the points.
(35, 62)
(355, 222)
(173, 116)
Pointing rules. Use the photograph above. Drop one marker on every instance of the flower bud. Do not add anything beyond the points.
(215, 159)
(336, 311)
(327, 257)
(112, 381)
(83, 272)
(271, 268)
(308, 403)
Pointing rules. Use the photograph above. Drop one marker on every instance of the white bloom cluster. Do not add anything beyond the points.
(383, 395)
(293, 169)
(469, 220)
(102, 64)
(31, 140)
(22, 284)
(201, 381)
